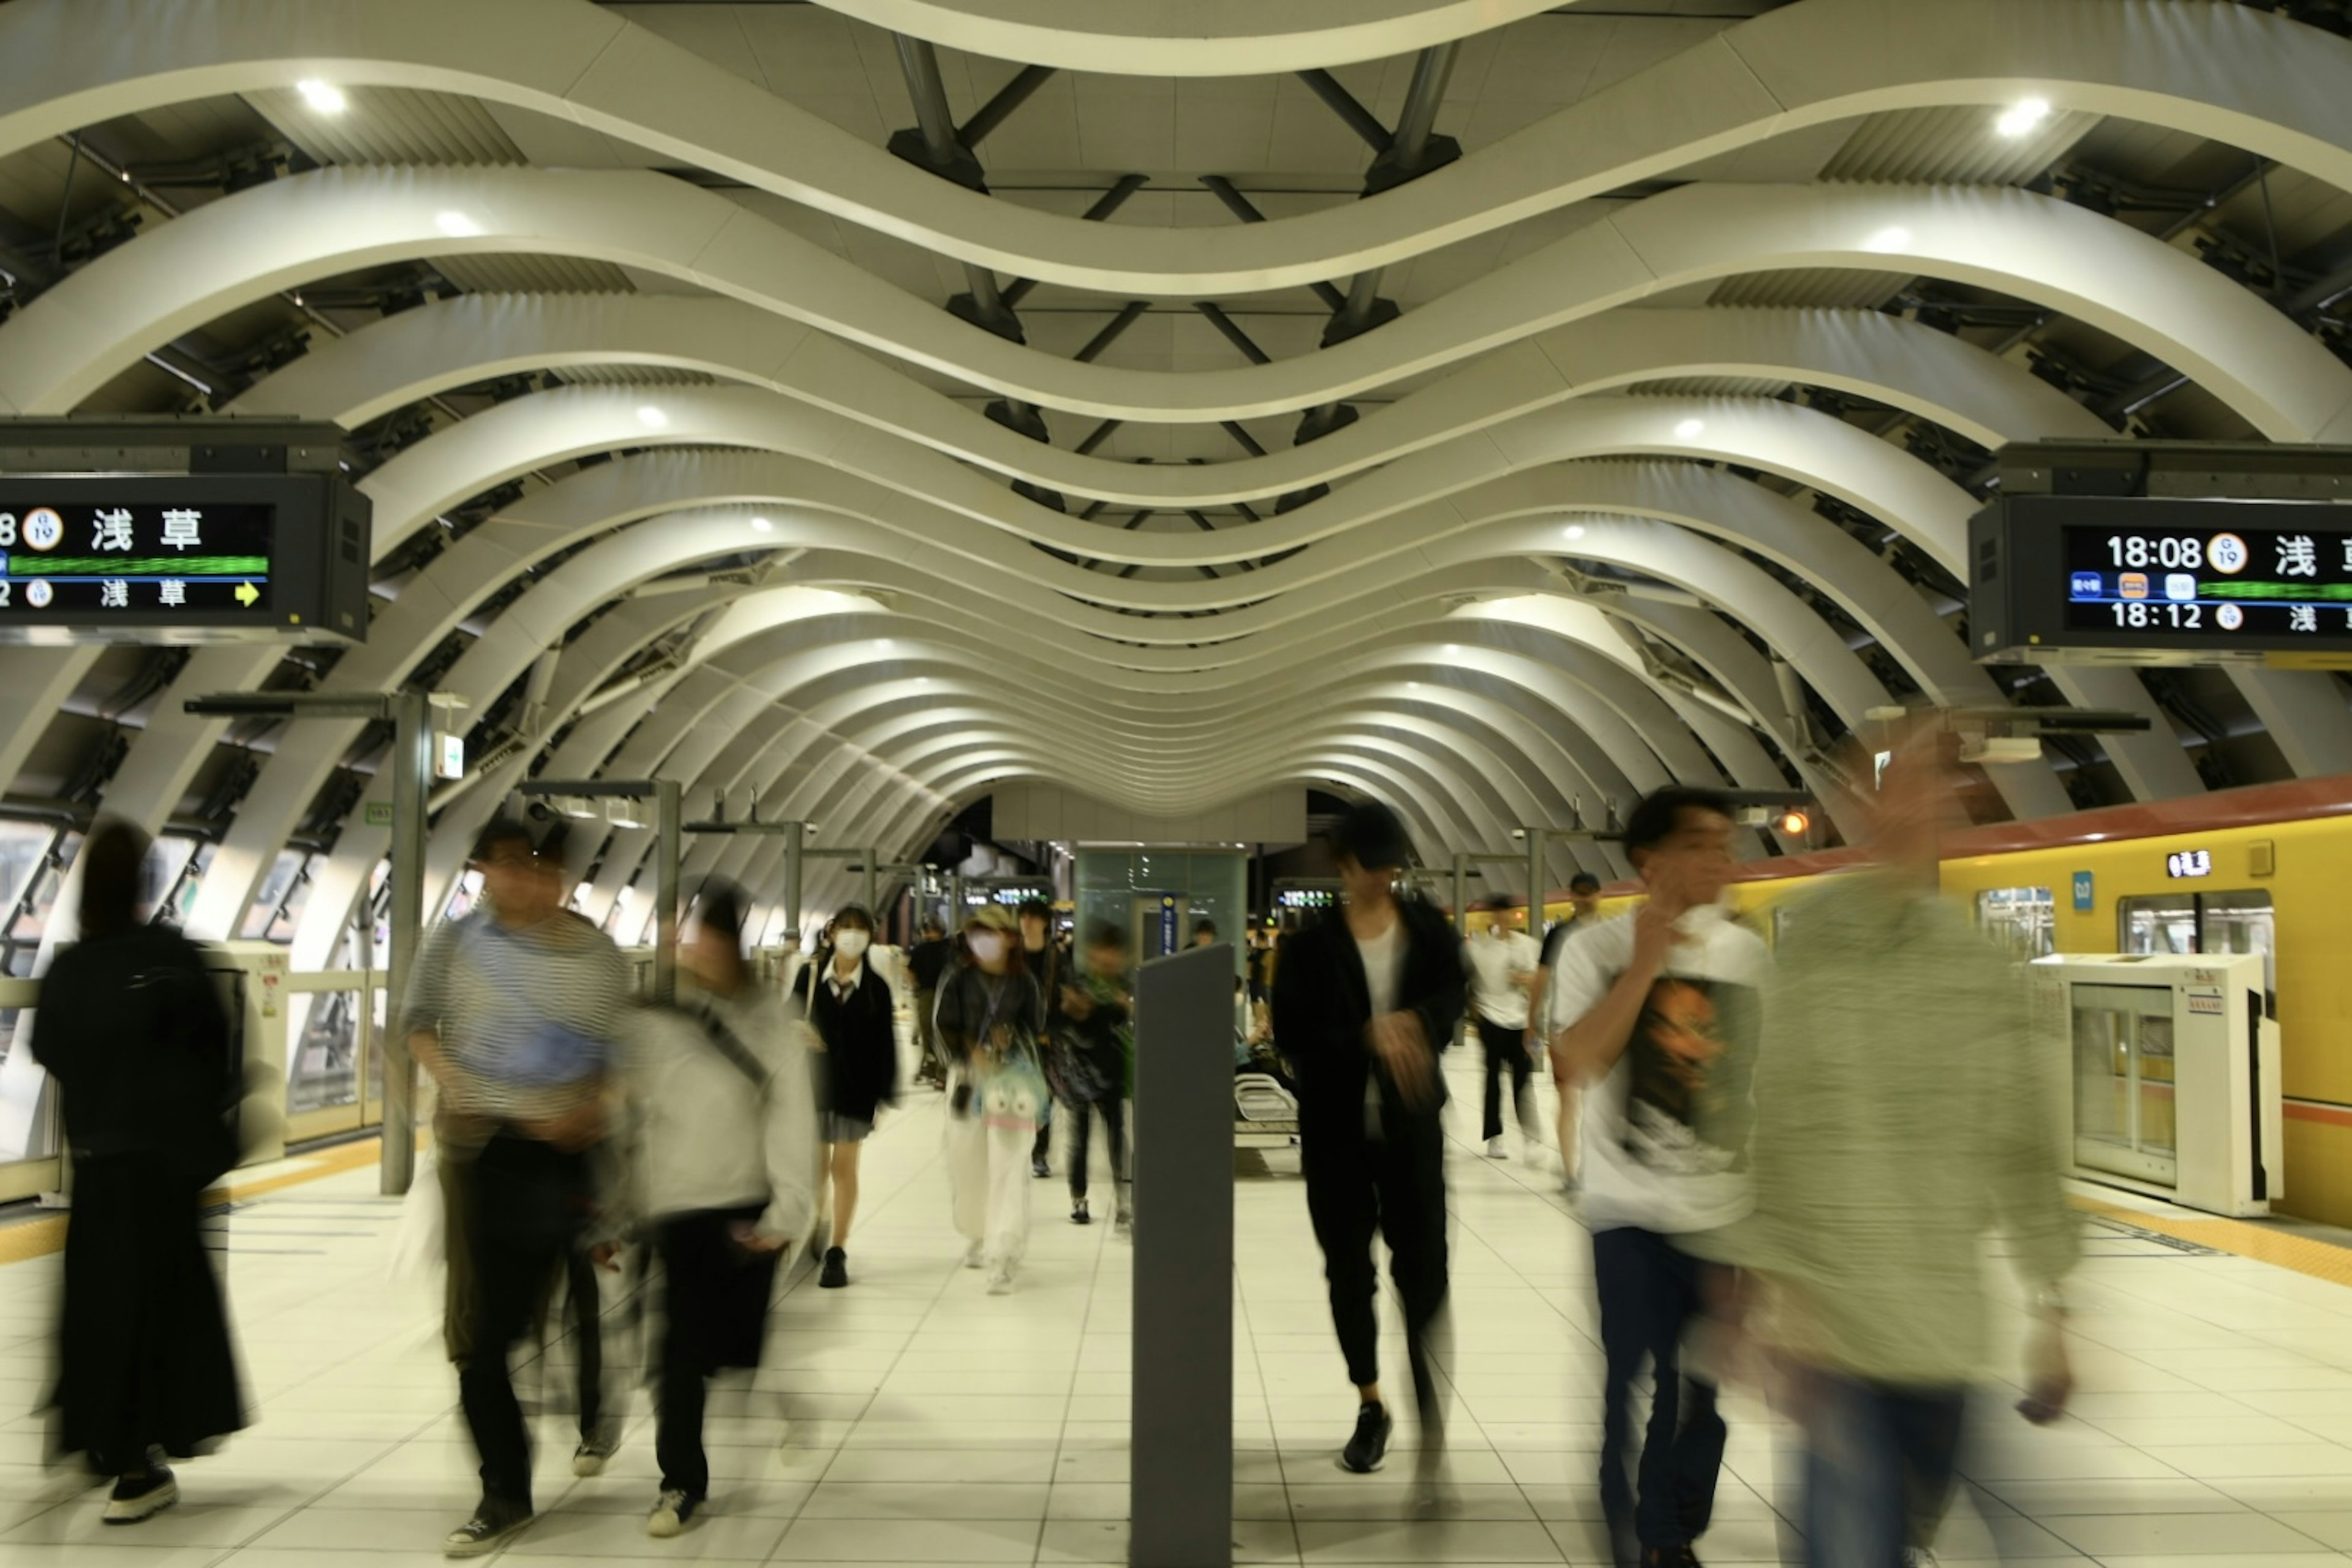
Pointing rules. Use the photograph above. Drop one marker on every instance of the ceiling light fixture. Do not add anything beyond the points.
(1691, 429)
(322, 96)
(759, 524)
(652, 418)
(1895, 237)
(1574, 530)
(2023, 117)
(456, 225)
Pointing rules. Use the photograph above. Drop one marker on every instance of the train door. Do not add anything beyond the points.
(2124, 1081)
(2219, 922)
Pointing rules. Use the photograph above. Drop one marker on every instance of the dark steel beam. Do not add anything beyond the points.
(1342, 103)
(997, 110)
(1232, 333)
(1095, 438)
(1105, 204)
(1102, 340)
(1242, 207)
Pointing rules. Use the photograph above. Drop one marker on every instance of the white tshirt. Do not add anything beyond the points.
(1496, 964)
(1383, 957)
(1663, 1133)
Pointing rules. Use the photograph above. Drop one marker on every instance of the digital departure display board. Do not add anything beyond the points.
(2133, 580)
(197, 558)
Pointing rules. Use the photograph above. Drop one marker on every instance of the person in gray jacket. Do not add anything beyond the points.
(725, 1167)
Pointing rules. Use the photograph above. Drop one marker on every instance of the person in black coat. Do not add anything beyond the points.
(1363, 1003)
(854, 1015)
(133, 1030)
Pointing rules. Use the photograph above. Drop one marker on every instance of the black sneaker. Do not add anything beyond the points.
(1680, 1556)
(490, 1527)
(672, 1512)
(1078, 1215)
(1369, 1445)
(1040, 1169)
(141, 1496)
(836, 1270)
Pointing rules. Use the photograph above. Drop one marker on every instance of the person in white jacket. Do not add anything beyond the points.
(726, 1170)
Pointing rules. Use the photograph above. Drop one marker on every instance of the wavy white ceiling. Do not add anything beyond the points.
(1577, 542)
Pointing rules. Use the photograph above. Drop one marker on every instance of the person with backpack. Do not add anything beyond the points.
(133, 1032)
(853, 1014)
(725, 1167)
(991, 1020)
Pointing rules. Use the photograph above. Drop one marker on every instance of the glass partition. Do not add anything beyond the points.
(2020, 922)
(2232, 921)
(2124, 1080)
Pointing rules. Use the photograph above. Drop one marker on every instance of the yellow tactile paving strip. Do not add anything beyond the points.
(2320, 1259)
(37, 1238)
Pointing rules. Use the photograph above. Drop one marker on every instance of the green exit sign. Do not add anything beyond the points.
(379, 813)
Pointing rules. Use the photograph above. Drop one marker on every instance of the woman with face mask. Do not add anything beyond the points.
(853, 1012)
(990, 1019)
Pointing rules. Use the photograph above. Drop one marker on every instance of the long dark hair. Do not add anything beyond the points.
(113, 874)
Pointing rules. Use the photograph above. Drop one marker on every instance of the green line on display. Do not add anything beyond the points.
(133, 565)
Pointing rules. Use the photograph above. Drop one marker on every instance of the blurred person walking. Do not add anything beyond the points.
(1584, 908)
(927, 963)
(851, 1009)
(1503, 964)
(135, 1034)
(1091, 1066)
(513, 1009)
(725, 1160)
(1364, 999)
(992, 1018)
(1662, 1010)
(1882, 1157)
(1047, 965)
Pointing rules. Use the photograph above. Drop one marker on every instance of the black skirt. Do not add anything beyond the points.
(143, 1349)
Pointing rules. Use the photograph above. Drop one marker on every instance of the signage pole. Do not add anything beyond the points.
(665, 828)
(1181, 1465)
(412, 768)
(1534, 880)
(793, 883)
(873, 883)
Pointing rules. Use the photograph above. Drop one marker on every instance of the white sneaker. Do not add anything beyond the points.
(1494, 1148)
(1000, 1279)
(972, 1258)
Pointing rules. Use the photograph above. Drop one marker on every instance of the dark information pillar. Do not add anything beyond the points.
(1180, 1474)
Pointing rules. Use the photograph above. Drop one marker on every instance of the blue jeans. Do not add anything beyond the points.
(1650, 1291)
(1879, 1467)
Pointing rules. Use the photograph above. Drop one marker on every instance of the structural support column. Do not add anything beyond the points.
(412, 773)
(666, 857)
(1181, 1461)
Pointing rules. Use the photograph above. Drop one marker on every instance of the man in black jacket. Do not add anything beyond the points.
(1363, 1002)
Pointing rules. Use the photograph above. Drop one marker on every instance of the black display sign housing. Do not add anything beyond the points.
(2141, 580)
(197, 558)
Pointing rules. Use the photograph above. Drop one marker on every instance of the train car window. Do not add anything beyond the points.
(2220, 922)
(2020, 922)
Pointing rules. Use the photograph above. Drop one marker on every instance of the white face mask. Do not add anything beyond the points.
(986, 946)
(851, 944)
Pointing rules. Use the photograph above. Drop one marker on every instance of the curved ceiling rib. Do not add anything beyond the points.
(474, 339)
(2222, 71)
(73, 338)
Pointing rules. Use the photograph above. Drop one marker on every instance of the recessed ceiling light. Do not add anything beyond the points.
(456, 225)
(759, 524)
(2023, 117)
(652, 418)
(1691, 429)
(1893, 237)
(322, 96)
(1574, 530)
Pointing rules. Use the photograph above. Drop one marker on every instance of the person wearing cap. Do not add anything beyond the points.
(990, 1019)
(1364, 1001)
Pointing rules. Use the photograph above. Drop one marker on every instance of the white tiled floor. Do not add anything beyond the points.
(915, 1419)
